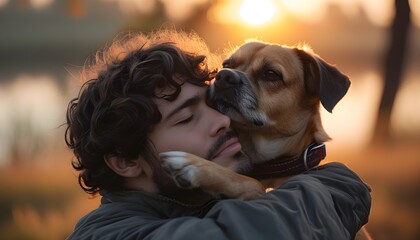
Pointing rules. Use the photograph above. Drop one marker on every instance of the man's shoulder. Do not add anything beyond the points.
(111, 218)
(131, 215)
(333, 169)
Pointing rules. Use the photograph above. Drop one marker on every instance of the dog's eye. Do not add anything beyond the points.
(272, 76)
(226, 63)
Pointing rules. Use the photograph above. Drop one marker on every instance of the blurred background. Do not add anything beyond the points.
(375, 128)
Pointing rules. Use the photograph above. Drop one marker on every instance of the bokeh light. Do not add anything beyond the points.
(40, 4)
(307, 10)
(256, 12)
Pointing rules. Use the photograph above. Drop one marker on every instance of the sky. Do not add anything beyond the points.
(378, 11)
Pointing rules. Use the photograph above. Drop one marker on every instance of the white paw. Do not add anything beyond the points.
(178, 165)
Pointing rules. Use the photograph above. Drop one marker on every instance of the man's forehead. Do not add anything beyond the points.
(188, 92)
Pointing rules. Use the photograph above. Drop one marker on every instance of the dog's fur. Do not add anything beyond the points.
(272, 93)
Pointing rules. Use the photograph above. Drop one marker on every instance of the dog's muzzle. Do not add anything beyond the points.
(233, 95)
(227, 78)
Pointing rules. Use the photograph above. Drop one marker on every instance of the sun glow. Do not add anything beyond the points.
(256, 12)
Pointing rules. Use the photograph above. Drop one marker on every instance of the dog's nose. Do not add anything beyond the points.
(227, 78)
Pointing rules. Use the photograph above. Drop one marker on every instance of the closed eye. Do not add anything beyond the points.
(185, 121)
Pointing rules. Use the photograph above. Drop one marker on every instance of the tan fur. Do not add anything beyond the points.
(288, 109)
(197, 172)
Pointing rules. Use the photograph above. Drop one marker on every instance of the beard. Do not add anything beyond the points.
(168, 187)
(241, 162)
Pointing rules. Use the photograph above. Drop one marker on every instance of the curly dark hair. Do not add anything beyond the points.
(115, 110)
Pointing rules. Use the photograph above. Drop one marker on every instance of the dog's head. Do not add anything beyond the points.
(267, 85)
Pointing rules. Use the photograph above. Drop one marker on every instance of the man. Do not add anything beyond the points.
(148, 96)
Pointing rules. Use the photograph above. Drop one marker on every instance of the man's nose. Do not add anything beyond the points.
(219, 123)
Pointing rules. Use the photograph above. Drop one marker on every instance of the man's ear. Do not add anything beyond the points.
(124, 167)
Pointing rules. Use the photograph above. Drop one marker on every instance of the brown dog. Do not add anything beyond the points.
(272, 94)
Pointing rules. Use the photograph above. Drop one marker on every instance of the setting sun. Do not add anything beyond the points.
(257, 12)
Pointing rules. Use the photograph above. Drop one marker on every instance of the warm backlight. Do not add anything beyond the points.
(256, 12)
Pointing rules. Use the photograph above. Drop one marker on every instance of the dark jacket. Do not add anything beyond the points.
(329, 202)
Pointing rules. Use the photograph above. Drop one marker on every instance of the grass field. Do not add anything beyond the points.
(41, 202)
(393, 172)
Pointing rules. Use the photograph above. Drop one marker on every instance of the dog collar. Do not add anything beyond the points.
(281, 167)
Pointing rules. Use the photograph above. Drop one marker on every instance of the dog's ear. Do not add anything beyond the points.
(323, 80)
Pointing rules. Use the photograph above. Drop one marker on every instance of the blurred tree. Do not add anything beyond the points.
(393, 68)
(146, 22)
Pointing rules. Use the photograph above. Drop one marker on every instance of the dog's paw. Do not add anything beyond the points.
(180, 167)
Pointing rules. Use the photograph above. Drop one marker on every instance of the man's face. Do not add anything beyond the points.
(188, 124)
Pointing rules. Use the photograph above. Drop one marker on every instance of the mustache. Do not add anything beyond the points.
(219, 142)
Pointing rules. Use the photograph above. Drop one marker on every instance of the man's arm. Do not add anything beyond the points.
(330, 202)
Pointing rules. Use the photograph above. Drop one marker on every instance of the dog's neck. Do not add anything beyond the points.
(275, 144)
(284, 167)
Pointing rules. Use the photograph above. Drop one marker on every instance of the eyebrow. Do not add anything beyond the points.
(188, 103)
